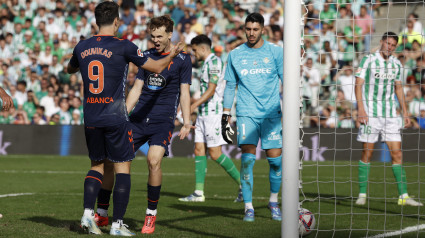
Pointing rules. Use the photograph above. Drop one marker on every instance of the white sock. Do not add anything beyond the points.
(102, 212)
(151, 212)
(273, 197)
(117, 224)
(248, 205)
(404, 195)
(88, 212)
(362, 195)
(199, 192)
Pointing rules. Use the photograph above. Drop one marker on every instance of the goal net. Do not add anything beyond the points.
(342, 41)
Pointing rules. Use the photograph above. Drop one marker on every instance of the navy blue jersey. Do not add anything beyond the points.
(103, 63)
(161, 92)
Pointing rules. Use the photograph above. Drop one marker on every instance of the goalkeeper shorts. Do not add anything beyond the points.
(388, 128)
(269, 130)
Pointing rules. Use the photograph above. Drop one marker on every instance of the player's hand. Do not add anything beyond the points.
(176, 49)
(407, 121)
(226, 129)
(362, 116)
(185, 130)
(7, 100)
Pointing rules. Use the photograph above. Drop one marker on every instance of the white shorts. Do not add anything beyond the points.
(389, 128)
(208, 130)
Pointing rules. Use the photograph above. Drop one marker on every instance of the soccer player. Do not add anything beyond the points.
(208, 122)
(255, 68)
(377, 82)
(154, 114)
(103, 62)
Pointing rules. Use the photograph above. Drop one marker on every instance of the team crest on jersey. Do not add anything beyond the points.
(139, 52)
(156, 82)
(266, 60)
(255, 62)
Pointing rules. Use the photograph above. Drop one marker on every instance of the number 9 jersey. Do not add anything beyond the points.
(103, 63)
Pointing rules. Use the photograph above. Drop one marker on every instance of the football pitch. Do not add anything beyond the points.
(42, 196)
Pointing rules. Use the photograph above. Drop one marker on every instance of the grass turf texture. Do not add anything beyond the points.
(55, 207)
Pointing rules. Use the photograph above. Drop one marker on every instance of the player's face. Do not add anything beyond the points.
(388, 46)
(161, 39)
(253, 32)
(197, 51)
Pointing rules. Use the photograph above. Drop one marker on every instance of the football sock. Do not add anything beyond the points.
(103, 202)
(227, 164)
(92, 184)
(248, 205)
(199, 192)
(200, 170)
(151, 212)
(364, 169)
(400, 177)
(273, 197)
(275, 174)
(247, 179)
(88, 212)
(121, 195)
(117, 224)
(153, 196)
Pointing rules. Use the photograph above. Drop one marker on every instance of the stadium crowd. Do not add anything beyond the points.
(37, 38)
(337, 34)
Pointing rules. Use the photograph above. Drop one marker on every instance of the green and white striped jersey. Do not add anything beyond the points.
(212, 72)
(378, 89)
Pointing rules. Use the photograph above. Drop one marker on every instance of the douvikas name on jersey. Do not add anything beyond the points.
(103, 63)
(161, 92)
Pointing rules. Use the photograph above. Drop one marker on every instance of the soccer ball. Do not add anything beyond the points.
(306, 222)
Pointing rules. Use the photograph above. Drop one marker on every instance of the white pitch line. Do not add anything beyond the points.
(15, 195)
(134, 173)
(404, 231)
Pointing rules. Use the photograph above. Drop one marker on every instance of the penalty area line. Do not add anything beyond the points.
(398, 233)
(15, 194)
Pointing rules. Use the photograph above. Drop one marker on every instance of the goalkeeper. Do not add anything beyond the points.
(255, 68)
(378, 81)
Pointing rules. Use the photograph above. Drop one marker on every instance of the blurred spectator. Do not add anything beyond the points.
(365, 22)
(126, 15)
(312, 77)
(411, 34)
(38, 120)
(141, 12)
(64, 114)
(346, 81)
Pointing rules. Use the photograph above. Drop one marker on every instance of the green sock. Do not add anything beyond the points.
(400, 177)
(200, 170)
(364, 169)
(230, 168)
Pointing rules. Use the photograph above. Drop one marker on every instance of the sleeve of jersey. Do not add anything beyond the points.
(74, 60)
(134, 54)
(186, 71)
(230, 74)
(140, 74)
(279, 62)
(229, 94)
(363, 68)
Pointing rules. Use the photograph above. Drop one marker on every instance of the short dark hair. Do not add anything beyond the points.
(255, 17)
(389, 34)
(201, 39)
(161, 21)
(106, 12)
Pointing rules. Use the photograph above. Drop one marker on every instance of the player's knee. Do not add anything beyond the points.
(273, 153)
(275, 163)
(396, 155)
(214, 154)
(199, 152)
(154, 164)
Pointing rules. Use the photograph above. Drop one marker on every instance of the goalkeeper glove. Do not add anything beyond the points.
(226, 130)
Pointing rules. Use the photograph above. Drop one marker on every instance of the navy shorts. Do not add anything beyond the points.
(154, 132)
(112, 142)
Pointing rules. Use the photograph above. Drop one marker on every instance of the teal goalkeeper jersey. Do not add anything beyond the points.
(256, 72)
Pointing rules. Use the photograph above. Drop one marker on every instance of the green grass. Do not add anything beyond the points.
(55, 206)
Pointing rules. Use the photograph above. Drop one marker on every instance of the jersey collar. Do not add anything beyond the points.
(209, 57)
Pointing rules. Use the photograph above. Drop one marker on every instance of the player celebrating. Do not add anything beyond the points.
(208, 128)
(255, 67)
(103, 61)
(377, 81)
(153, 117)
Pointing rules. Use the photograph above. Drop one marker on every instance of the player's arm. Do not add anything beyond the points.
(157, 66)
(358, 90)
(207, 95)
(402, 100)
(229, 96)
(73, 65)
(134, 94)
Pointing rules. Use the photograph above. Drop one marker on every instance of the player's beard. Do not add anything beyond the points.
(252, 40)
